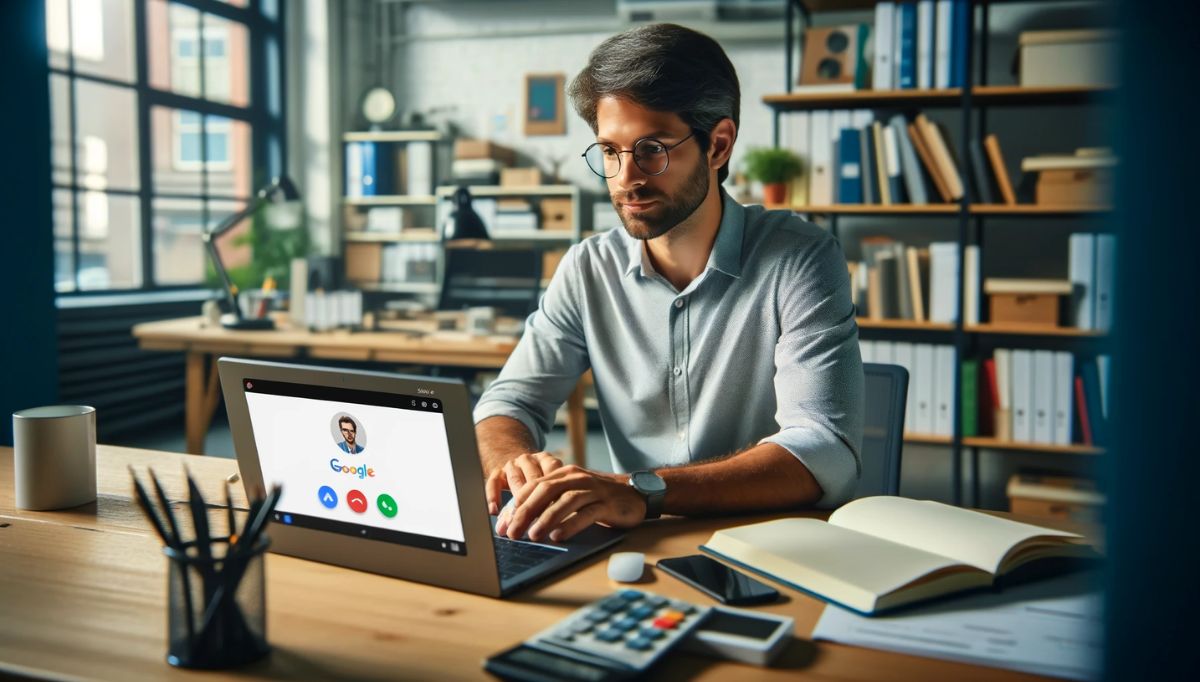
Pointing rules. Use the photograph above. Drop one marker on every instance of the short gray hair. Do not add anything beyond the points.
(663, 67)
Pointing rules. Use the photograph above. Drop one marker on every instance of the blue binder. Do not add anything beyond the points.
(907, 63)
(850, 187)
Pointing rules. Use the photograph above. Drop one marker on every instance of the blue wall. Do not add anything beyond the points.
(28, 344)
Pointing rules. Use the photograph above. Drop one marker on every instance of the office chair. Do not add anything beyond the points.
(509, 280)
(883, 429)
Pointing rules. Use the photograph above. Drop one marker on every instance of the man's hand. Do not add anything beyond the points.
(515, 473)
(567, 500)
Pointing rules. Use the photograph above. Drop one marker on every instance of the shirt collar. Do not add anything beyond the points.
(726, 254)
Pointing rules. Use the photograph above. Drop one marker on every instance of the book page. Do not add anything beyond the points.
(969, 537)
(837, 563)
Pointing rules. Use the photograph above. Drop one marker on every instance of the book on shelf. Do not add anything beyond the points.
(970, 398)
(409, 263)
(996, 158)
(925, 49)
(919, 45)
(905, 43)
(914, 180)
(981, 180)
(940, 151)
(930, 382)
(880, 553)
(1090, 269)
(1044, 397)
(883, 35)
(375, 168)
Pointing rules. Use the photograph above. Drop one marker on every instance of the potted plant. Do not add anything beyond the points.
(772, 167)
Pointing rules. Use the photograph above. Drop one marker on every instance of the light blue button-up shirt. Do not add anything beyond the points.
(762, 347)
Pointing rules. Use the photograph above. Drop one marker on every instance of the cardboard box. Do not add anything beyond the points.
(520, 177)
(1025, 301)
(1060, 498)
(363, 262)
(1074, 187)
(557, 214)
(1063, 58)
(550, 261)
(483, 149)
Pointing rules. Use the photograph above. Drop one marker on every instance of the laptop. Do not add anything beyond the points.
(381, 473)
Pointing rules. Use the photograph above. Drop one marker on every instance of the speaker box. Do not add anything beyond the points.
(833, 55)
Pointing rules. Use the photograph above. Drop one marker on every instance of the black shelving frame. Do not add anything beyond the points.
(970, 226)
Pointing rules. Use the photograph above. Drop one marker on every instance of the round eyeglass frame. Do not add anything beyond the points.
(666, 151)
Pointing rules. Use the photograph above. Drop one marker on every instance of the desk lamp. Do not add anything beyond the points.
(463, 223)
(280, 191)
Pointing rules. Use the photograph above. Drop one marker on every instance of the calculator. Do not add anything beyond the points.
(614, 638)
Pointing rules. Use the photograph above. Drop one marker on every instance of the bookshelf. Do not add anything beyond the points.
(971, 102)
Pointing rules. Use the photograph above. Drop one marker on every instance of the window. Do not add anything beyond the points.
(166, 114)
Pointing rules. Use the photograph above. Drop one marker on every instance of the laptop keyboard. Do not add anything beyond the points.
(514, 557)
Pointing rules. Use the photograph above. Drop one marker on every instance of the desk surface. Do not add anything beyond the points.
(83, 594)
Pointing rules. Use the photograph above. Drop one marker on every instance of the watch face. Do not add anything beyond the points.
(648, 481)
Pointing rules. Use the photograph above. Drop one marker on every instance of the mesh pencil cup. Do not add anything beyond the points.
(216, 605)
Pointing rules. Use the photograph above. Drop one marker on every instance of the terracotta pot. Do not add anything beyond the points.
(775, 193)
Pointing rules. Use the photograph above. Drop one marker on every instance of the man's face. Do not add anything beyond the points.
(348, 432)
(651, 205)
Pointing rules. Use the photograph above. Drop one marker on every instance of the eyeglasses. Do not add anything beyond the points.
(348, 431)
(649, 155)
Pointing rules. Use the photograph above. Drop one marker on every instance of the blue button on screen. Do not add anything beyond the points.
(327, 497)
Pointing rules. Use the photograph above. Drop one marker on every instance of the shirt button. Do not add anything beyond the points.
(678, 371)
(679, 303)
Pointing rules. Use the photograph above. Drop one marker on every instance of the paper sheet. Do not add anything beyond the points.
(1053, 627)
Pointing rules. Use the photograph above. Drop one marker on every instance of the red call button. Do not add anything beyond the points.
(357, 501)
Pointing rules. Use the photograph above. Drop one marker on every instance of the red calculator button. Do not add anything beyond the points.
(665, 623)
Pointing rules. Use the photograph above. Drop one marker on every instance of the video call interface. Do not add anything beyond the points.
(363, 463)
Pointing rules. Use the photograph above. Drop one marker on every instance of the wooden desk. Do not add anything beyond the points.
(204, 344)
(83, 594)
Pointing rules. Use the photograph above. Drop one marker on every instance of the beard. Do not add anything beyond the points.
(670, 212)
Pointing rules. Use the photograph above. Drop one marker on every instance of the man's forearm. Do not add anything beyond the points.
(501, 439)
(763, 477)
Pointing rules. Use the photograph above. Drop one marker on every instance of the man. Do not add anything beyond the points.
(349, 433)
(721, 338)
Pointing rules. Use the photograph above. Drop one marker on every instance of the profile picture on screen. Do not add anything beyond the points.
(348, 433)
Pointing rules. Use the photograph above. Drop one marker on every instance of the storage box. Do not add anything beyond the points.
(1063, 58)
(557, 213)
(363, 262)
(1059, 498)
(550, 261)
(483, 149)
(1025, 301)
(1078, 187)
(520, 177)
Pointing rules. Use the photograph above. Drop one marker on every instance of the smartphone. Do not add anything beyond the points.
(718, 580)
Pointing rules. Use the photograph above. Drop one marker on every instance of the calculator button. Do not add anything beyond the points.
(651, 633)
(597, 616)
(624, 624)
(638, 644)
(673, 615)
(582, 627)
(613, 605)
(665, 623)
(630, 595)
(610, 635)
(655, 601)
(566, 635)
(641, 612)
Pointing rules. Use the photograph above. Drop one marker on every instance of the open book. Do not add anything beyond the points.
(878, 553)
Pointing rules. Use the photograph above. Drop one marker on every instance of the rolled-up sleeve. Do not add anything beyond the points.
(818, 370)
(548, 360)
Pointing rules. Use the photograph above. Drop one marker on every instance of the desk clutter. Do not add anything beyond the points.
(216, 587)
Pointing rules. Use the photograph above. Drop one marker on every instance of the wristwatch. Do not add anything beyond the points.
(653, 488)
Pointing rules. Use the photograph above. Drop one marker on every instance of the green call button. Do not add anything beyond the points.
(387, 505)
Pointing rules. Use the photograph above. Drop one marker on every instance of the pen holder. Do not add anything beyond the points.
(216, 605)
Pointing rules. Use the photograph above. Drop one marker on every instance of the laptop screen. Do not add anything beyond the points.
(362, 463)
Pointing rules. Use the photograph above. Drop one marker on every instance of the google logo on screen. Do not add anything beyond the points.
(362, 471)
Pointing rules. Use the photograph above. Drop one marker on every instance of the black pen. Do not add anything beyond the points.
(143, 501)
(232, 523)
(184, 569)
(167, 513)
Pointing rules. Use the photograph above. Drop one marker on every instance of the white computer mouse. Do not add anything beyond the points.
(626, 567)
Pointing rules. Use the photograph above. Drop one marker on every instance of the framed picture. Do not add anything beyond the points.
(545, 113)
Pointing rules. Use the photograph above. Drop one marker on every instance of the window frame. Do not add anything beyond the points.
(265, 25)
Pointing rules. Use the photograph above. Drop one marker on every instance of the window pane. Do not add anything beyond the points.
(229, 165)
(173, 39)
(179, 256)
(64, 255)
(107, 145)
(236, 3)
(174, 143)
(102, 38)
(227, 61)
(60, 136)
(58, 34)
(234, 246)
(109, 243)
